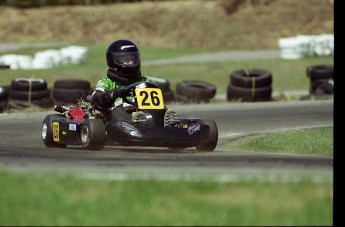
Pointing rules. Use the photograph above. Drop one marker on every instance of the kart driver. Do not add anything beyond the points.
(124, 69)
(123, 60)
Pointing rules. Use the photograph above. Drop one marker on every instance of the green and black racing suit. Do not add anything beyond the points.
(104, 96)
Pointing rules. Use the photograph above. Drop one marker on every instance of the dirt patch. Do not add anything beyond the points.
(254, 24)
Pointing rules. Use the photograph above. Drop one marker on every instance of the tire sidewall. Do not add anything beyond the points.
(96, 134)
(249, 94)
(72, 84)
(196, 90)
(211, 143)
(48, 121)
(27, 84)
(320, 71)
(253, 78)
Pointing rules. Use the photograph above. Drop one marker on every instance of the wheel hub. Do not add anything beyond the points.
(44, 131)
(84, 135)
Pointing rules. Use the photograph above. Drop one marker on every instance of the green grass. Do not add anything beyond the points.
(49, 199)
(317, 141)
(287, 74)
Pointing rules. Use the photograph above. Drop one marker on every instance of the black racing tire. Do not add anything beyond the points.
(3, 93)
(196, 90)
(24, 95)
(249, 94)
(62, 95)
(163, 84)
(328, 87)
(3, 105)
(73, 84)
(47, 131)
(320, 71)
(2, 66)
(44, 103)
(169, 96)
(25, 84)
(211, 143)
(251, 78)
(322, 86)
(182, 99)
(92, 134)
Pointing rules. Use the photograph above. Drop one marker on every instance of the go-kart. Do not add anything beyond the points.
(149, 123)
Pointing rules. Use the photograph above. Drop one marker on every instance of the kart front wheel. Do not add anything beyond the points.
(211, 142)
(47, 131)
(92, 134)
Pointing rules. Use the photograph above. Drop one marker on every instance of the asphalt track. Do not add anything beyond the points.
(22, 149)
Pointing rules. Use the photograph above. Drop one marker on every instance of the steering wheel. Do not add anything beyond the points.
(131, 90)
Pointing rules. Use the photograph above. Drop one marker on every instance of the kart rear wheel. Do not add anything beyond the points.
(47, 131)
(211, 143)
(92, 134)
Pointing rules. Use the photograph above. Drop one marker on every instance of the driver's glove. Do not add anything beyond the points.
(120, 92)
(110, 96)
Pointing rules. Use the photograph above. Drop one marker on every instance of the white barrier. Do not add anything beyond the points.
(11, 60)
(78, 54)
(47, 58)
(306, 46)
(74, 54)
(42, 60)
(24, 61)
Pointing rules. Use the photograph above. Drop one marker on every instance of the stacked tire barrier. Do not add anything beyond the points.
(68, 91)
(164, 85)
(24, 92)
(4, 66)
(251, 85)
(3, 98)
(321, 79)
(194, 91)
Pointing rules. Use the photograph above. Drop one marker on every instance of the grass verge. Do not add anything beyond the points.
(286, 74)
(318, 141)
(49, 199)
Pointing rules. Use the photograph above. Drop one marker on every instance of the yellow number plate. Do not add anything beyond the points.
(56, 130)
(149, 98)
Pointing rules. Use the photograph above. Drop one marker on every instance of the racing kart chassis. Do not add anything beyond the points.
(82, 125)
(128, 134)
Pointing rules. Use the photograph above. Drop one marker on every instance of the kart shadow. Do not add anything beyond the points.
(160, 150)
(133, 149)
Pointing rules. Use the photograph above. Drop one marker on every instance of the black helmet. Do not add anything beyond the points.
(123, 59)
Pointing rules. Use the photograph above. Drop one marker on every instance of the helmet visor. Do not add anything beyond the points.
(126, 59)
